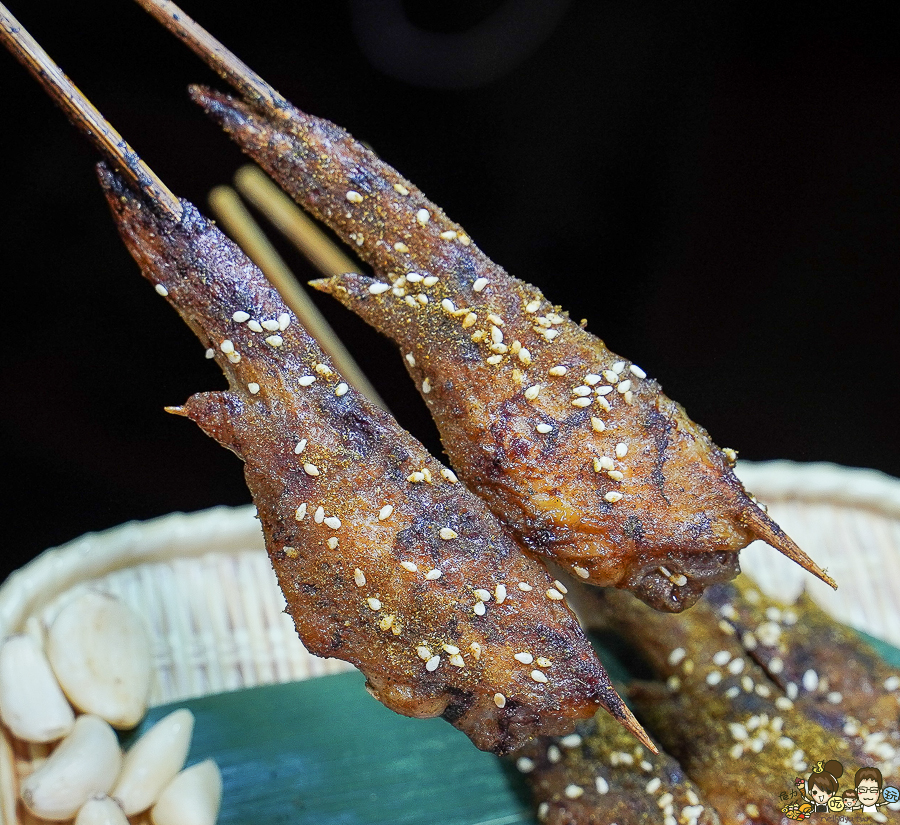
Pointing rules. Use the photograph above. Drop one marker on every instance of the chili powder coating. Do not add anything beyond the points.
(385, 560)
(570, 445)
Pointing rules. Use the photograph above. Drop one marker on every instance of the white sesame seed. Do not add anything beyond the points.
(482, 595)
(410, 566)
(449, 475)
(496, 334)
(810, 681)
(721, 658)
(653, 785)
(602, 402)
(433, 575)
(385, 512)
(713, 678)
(558, 370)
(161, 290)
(892, 683)
(623, 386)
(604, 390)
(333, 522)
(401, 189)
(613, 497)
(554, 595)
(735, 666)
(532, 392)
(835, 697)
(676, 656)
(432, 664)
(554, 754)
(524, 658)
(210, 353)
(374, 604)
(581, 402)
(602, 785)
(399, 246)
(448, 235)
(254, 326)
(446, 533)
(332, 544)
(581, 391)
(732, 692)
(311, 469)
(747, 684)
(775, 665)
(270, 325)
(426, 386)
(377, 288)
(300, 447)
(621, 449)
(525, 586)
(234, 357)
(581, 572)
(423, 653)
(537, 676)
(637, 371)
(560, 586)
(524, 356)
(469, 320)
(610, 376)
(353, 197)
(306, 380)
(226, 346)
(615, 475)
(341, 389)
(736, 752)
(413, 277)
(423, 216)
(457, 661)
(523, 763)
(573, 791)
(284, 321)
(791, 690)
(479, 609)
(253, 387)
(748, 640)
(480, 284)
(543, 429)
(416, 477)
(274, 340)
(359, 577)
(300, 512)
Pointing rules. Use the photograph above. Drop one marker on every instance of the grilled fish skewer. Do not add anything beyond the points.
(384, 559)
(570, 445)
(83, 113)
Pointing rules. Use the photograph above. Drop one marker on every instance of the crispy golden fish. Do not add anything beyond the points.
(734, 731)
(833, 676)
(596, 776)
(384, 559)
(572, 446)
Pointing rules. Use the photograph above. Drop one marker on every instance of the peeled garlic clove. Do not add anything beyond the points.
(100, 653)
(85, 764)
(101, 810)
(8, 782)
(191, 798)
(152, 762)
(31, 703)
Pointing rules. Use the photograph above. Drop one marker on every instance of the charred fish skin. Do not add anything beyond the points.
(572, 446)
(596, 775)
(832, 675)
(735, 732)
(385, 560)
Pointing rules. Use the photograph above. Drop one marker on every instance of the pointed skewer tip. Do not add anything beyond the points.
(769, 532)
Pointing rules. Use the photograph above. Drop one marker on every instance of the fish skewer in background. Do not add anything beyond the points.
(384, 559)
(571, 445)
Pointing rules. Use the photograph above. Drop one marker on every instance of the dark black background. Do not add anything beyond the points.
(714, 185)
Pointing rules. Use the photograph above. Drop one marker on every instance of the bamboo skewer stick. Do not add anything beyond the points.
(292, 222)
(220, 59)
(240, 224)
(84, 114)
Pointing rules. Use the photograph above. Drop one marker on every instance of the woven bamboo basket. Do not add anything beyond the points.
(205, 588)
